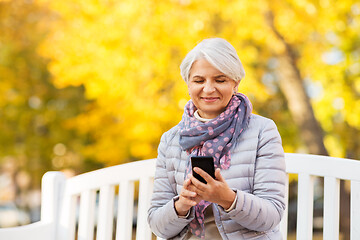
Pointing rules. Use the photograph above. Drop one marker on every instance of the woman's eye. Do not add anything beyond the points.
(220, 80)
(198, 81)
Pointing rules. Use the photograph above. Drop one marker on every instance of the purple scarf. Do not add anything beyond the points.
(213, 138)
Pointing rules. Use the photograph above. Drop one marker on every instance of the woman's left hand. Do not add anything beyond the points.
(216, 190)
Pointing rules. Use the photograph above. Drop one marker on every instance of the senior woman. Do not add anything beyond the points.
(246, 198)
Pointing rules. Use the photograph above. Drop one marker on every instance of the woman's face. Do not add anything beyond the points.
(210, 89)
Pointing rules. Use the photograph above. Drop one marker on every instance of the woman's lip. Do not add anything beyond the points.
(209, 99)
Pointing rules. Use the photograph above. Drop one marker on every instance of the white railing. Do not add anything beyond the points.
(103, 203)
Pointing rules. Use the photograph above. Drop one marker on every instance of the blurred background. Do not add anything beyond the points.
(94, 83)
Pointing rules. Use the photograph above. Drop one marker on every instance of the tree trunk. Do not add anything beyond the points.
(299, 104)
(292, 86)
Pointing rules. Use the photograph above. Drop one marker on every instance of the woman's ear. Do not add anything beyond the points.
(235, 90)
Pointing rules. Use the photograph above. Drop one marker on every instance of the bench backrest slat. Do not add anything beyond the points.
(87, 215)
(106, 212)
(284, 220)
(331, 208)
(305, 206)
(355, 210)
(125, 210)
(145, 191)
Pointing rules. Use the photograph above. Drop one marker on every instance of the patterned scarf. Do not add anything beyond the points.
(212, 138)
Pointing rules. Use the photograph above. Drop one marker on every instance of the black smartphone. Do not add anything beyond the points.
(206, 163)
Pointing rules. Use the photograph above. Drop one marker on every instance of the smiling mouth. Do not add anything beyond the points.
(209, 99)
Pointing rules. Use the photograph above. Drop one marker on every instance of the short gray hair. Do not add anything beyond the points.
(219, 53)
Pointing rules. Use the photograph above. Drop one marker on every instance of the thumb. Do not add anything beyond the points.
(218, 175)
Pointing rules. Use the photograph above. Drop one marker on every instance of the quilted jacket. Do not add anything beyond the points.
(257, 174)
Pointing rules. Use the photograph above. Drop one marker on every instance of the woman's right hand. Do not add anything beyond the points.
(187, 199)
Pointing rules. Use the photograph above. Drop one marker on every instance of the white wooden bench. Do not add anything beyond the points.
(105, 198)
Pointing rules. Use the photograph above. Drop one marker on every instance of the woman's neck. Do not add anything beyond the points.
(198, 117)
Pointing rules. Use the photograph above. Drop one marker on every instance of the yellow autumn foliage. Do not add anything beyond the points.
(127, 55)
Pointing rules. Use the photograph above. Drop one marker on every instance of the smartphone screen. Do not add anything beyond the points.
(206, 163)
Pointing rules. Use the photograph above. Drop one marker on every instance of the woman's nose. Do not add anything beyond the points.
(209, 87)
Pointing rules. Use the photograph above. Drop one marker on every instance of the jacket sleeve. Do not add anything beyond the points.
(262, 209)
(162, 217)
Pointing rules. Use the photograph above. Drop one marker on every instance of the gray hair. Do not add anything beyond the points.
(219, 53)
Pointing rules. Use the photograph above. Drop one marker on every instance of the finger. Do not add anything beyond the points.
(197, 198)
(199, 187)
(204, 174)
(188, 201)
(218, 175)
(187, 178)
(195, 182)
(191, 187)
(187, 193)
(187, 183)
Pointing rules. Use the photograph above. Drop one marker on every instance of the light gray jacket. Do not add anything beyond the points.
(257, 174)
